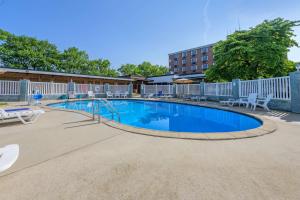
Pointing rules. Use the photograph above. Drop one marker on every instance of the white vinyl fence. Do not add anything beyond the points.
(9, 87)
(98, 89)
(280, 87)
(47, 88)
(218, 89)
(81, 88)
(155, 89)
(188, 89)
(118, 88)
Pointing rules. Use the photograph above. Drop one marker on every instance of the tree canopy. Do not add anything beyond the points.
(260, 52)
(25, 52)
(145, 69)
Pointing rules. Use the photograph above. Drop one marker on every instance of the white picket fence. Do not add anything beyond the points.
(47, 88)
(218, 89)
(9, 87)
(280, 87)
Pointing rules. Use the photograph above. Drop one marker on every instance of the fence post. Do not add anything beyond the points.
(236, 84)
(142, 90)
(130, 89)
(174, 92)
(295, 91)
(106, 88)
(24, 90)
(217, 89)
(71, 87)
(202, 85)
(259, 90)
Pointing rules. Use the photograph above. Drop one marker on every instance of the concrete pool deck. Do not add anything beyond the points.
(65, 155)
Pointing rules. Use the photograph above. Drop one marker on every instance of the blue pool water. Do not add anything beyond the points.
(170, 116)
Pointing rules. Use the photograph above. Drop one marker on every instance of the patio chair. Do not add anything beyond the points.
(263, 102)
(71, 95)
(117, 94)
(250, 101)
(8, 156)
(91, 94)
(195, 98)
(124, 95)
(25, 115)
(109, 94)
(151, 95)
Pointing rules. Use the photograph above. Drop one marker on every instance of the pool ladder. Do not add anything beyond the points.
(108, 106)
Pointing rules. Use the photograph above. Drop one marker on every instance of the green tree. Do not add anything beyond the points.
(101, 67)
(72, 60)
(260, 52)
(128, 69)
(145, 69)
(25, 52)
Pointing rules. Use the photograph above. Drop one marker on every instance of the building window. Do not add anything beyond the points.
(183, 61)
(183, 54)
(204, 66)
(194, 67)
(204, 49)
(204, 58)
(193, 52)
(183, 68)
(176, 62)
(194, 60)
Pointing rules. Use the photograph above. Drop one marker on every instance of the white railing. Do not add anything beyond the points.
(188, 89)
(9, 87)
(156, 89)
(280, 87)
(225, 89)
(118, 88)
(59, 88)
(47, 88)
(218, 89)
(210, 89)
(247, 87)
(98, 89)
(81, 88)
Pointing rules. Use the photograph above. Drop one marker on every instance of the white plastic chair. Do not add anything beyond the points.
(8, 156)
(91, 94)
(264, 102)
(109, 94)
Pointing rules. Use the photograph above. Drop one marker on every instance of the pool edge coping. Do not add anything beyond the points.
(267, 126)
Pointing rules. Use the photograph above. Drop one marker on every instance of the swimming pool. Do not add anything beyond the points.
(167, 116)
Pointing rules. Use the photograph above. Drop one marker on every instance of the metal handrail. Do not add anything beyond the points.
(109, 107)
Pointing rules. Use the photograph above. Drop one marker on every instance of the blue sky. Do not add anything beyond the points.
(131, 31)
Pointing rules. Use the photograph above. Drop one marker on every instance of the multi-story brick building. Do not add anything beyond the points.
(191, 61)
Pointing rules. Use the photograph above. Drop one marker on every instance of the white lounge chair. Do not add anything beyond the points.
(109, 94)
(124, 95)
(263, 102)
(151, 95)
(117, 94)
(8, 156)
(91, 94)
(25, 115)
